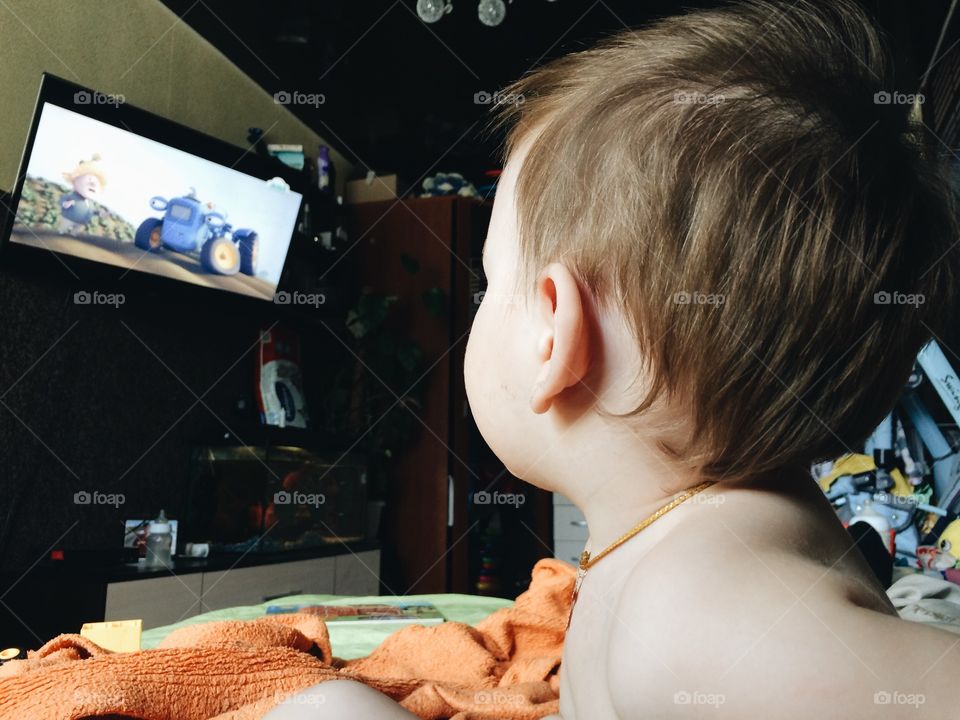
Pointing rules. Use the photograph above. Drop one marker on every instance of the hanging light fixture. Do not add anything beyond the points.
(491, 12)
(432, 10)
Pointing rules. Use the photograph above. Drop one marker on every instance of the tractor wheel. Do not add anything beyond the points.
(249, 244)
(147, 236)
(220, 256)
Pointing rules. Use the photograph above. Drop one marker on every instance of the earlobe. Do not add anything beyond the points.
(564, 349)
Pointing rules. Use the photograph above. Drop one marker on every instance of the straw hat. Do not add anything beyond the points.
(92, 166)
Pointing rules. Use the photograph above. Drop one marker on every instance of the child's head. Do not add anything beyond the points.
(737, 209)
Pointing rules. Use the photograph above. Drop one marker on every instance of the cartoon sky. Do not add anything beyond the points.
(138, 168)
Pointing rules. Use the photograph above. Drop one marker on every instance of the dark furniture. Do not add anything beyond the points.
(432, 532)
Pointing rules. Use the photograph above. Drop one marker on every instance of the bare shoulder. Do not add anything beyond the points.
(760, 607)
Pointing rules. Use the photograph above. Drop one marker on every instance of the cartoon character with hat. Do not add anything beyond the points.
(78, 207)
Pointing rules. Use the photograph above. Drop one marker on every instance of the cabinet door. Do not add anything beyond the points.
(256, 585)
(415, 517)
(358, 573)
(157, 601)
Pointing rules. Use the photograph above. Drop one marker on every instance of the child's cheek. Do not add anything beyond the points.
(472, 361)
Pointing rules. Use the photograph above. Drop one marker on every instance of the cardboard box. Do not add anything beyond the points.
(370, 189)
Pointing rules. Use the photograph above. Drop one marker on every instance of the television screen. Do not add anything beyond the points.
(100, 192)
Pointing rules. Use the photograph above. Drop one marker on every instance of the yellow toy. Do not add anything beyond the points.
(854, 464)
(950, 540)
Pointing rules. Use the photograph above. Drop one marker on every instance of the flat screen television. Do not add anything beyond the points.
(115, 185)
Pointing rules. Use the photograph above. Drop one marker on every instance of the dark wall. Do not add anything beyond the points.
(399, 94)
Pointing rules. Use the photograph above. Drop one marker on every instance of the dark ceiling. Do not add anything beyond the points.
(399, 94)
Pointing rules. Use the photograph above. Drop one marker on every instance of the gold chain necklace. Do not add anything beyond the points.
(587, 562)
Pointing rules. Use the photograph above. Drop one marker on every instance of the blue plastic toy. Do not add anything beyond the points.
(187, 227)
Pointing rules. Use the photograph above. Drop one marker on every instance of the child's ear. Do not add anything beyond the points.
(563, 341)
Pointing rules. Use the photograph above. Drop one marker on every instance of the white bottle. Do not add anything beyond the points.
(159, 543)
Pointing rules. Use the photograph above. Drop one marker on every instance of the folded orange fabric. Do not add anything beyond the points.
(507, 667)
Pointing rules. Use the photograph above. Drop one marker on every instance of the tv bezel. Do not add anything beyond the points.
(131, 118)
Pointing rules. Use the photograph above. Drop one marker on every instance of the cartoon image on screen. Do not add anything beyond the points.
(105, 194)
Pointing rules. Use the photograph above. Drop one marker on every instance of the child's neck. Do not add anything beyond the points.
(615, 505)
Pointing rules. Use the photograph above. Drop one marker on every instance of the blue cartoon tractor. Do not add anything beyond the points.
(187, 227)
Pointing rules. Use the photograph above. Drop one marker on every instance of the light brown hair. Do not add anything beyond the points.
(738, 183)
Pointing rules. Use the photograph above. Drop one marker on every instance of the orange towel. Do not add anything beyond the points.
(507, 667)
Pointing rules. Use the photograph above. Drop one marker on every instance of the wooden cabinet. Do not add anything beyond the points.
(165, 600)
(429, 534)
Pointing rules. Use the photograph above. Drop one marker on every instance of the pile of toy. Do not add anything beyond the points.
(906, 484)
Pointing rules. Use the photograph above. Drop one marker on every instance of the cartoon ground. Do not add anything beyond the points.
(127, 255)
